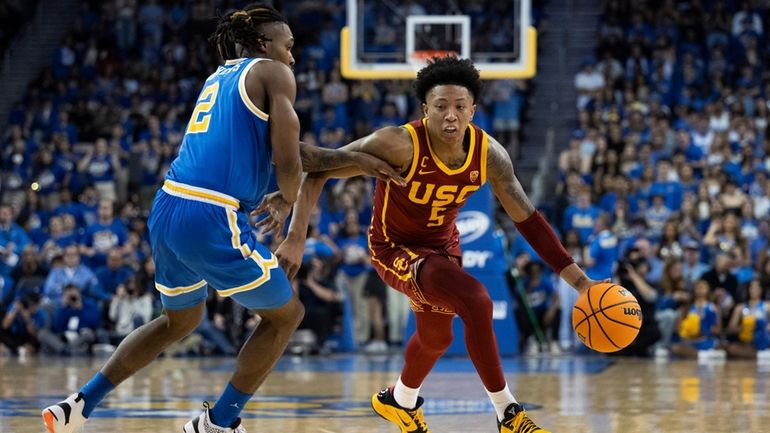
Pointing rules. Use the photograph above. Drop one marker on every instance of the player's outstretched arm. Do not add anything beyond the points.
(391, 145)
(528, 221)
(315, 159)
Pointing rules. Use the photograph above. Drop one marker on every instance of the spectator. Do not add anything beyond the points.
(19, 327)
(102, 236)
(322, 303)
(722, 282)
(654, 264)
(631, 272)
(354, 273)
(568, 340)
(12, 237)
(130, 308)
(673, 296)
(748, 327)
(699, 325)
(99, 165)
(581, 216)
(588, 84)
(75, 325)
(537, 311)
(30, 275)
(692, 267)
(114, 273)
(72, 272)
(602, 251)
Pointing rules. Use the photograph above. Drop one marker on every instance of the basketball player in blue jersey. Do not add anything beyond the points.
(243, 124)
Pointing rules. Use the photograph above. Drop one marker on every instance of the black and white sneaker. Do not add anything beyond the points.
(203, 424)
(65, 416)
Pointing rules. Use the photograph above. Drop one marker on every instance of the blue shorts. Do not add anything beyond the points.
(199, 237)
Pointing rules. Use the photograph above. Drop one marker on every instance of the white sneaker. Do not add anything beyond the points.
(65, 416)
(763, 356)
(555, 348)
(376, 347)
(661, 352)
(203, 424)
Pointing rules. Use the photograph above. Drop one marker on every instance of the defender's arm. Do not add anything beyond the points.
(393, 145)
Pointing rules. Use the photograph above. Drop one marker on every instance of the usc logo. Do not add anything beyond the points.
(400, 264)
(444, 195)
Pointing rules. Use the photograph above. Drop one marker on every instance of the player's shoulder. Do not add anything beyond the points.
(270, 71)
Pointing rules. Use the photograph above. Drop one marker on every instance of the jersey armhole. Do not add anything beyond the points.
(245, 96)
(415, 151)
(483, 159)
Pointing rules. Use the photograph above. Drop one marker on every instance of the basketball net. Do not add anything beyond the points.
(419, 59)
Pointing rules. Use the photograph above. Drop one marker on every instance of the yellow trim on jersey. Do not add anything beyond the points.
(245, 96)
(438, 161)
(411, 253)
(175, 291)
(265, 265)
(415, 151)
(399, 275)
(384, 210)
(483, 162)
(204, 195)
(235, 239)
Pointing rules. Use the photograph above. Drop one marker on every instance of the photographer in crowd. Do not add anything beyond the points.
(630, 274)
(19, 327)
(75, 323)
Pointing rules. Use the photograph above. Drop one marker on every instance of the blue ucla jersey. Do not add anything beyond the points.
(226, 147)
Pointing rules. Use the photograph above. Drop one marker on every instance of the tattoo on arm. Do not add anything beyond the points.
(500, 171)
(319, 159)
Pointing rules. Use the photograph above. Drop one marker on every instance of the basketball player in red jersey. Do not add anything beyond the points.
(414, 243)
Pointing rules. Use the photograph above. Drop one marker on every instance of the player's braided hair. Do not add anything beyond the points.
(447, 70)
(243, 28)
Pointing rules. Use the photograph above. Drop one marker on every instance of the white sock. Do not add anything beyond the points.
(405, 397)
(501, 399)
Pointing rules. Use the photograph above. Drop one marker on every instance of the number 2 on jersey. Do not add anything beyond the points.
(201, 116)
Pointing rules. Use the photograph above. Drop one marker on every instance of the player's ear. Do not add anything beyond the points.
(262, 46)
(473, 110)
(425, 109)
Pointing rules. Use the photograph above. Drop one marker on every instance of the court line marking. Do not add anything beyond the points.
(323, 430)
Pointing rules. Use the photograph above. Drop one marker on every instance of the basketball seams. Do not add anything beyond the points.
(618, 321)
(605, 308)
(585, 315)
(601, 310)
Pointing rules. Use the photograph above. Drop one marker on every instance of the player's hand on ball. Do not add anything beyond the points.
(289, 255)
(277, 210)
(375, 167)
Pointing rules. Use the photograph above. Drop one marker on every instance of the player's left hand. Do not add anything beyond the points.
(277, 209)
(375, 167)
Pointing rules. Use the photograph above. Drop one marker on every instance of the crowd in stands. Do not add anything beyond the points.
(92, 139)
(664, 182)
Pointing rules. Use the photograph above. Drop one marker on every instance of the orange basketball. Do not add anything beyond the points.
(606, 317)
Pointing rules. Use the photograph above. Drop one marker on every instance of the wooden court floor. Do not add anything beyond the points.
(331, 395)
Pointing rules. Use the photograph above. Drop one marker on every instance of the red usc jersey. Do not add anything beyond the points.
(423, 213)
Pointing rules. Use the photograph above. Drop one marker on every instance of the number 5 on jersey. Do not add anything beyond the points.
(201, 116)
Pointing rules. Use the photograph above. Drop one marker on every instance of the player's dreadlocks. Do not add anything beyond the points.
(447, 70)
(243, 28)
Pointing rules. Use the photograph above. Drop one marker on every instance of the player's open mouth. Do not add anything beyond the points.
(450, 129)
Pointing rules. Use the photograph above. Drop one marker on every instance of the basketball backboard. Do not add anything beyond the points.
(388, 39)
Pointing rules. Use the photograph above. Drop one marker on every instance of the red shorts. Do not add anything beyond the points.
(397, 265)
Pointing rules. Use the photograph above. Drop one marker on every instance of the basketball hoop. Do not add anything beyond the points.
(419, 59)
